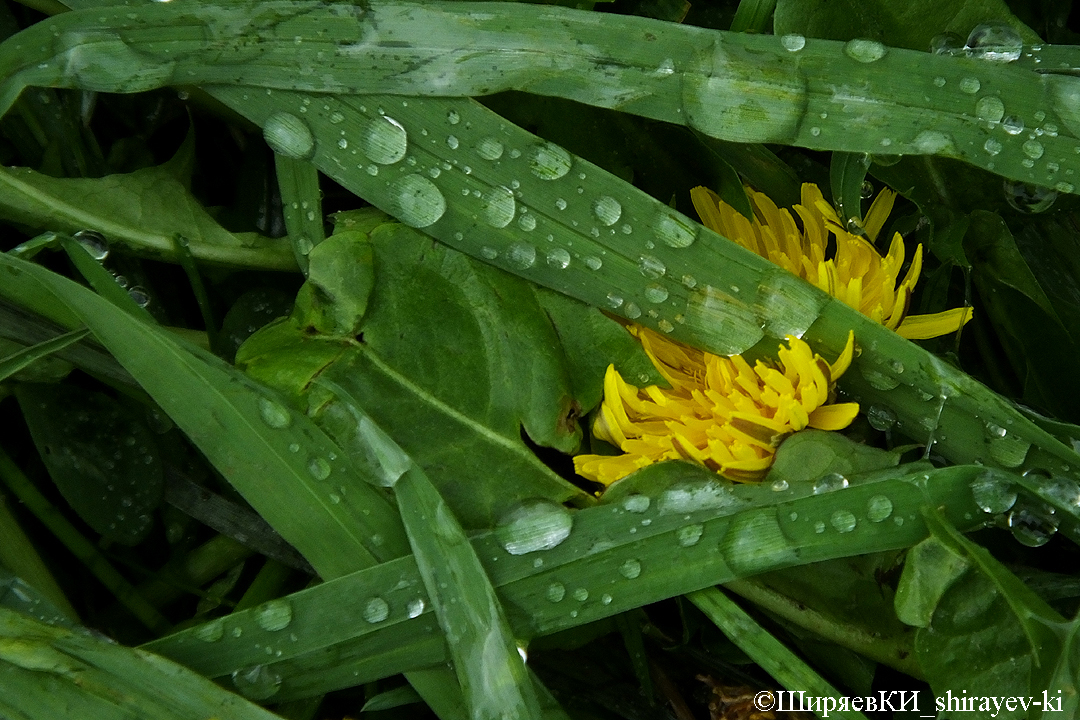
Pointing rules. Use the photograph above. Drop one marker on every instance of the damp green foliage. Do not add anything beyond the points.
(20, 360)
(301, 205)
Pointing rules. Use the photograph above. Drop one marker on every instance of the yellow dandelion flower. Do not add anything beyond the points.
(719, 412)
(857, 274)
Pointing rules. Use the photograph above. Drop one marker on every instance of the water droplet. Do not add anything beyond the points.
(614, 301)
(139, 295)
(630, 569)
(452, 117)
(415, 201)
(607, 210)
(526, 221)
(290, 136)
(1013, 124)
(864, 51)
(651, 267)
(343, 144)
(319, 468)
(793, 42)
(548, 161)
(636, 503)
(691, 496)
(556, 591)
(94, 243)
(336, 118)
(633, 311)
(560, 204)
(1028, 198)
(1064, 187)
(558, 258)
(931, 142)
(1062, 490)
(880, 417)
(674, 230)
(488, 253)
(656, 293)
(689, 535)
(274, 615)
(593, 262)
(257, 683)
(521, 255)
(992, 146)
(993, 491)
(489, 148)
(779, 485)
(994, 42)
(1031, 528)
(376, 610)
(970, 85)
(819, 527)
(581, 594)
(878, 508)
(499, 206)
(939, 81)
(452, 142)
(274, 414)
(990, 109)
(383, 140)
(415, 607)
(211, 631)
(534, 525)
(1009, 450)
(947, 44)
(605, 599)
(994, 431)
(1033, 149)
(878, 379)
(830, 483)
(843, 521)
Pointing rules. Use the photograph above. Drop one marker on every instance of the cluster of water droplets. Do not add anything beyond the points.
(98, 248)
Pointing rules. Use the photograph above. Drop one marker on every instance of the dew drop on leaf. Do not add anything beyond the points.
(290, 136)
(534, 525)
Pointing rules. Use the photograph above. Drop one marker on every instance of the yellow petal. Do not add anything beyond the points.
(707, 204)
(843, 362)
(922, 327)
(834, 417)
(879, 213)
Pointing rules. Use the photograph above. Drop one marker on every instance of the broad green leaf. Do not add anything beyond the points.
(448, 349)
(768, 652)
(49, 672)
(811, 454)
(340, 277)
(909, 24)
(930, 570)
(22, 360)
(100, 454)
(142, 210)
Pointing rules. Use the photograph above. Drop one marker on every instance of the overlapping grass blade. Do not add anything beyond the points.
(617, 557)
(24, 358)
(733, 86)
(50, 672)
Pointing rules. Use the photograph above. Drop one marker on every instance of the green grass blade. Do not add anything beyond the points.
(768, 652)
(301, 203)
(243, 429)
(733, 86)
(27, 357)
(101, 281)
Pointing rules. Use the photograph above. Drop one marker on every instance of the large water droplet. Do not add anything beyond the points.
(993, 491)
(534, 525)
(970, 85)
(1009, 450)
(521, 255)
(581, 594)
(415, 608)
(990, 109)
(843, 521)
(995, 42)
(1031, 528)
(415, 201)
(864, 51)
(211, 631)
(556, 591)
(1014, 125)
(878, 508)
(558, 258)
(651, 267)
(489, 148)
(880, 417)
(1033, 149)
(947, 44)
(689, 534)
(376, 610)
(274, 414)
(636, 503)
(686, 497)
(656, 293)
(549, 161)
(992, 146)
(1028, 198)
(290, 136)
(793, 42)
(383, 140)
(1062, 490)
(319, 468)
(674, 230)
(499, 206)
(274, 615)
(630, 569)
(830, 483)
(878, 380)
(93, 243)
(607, 210)
(257, 683)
